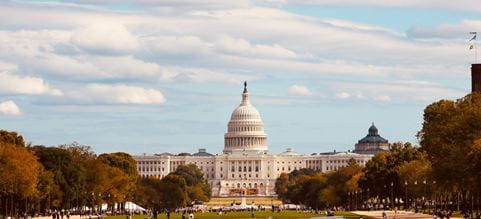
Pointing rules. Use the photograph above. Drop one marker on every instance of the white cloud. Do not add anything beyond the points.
(116, 94)
(383, 98)
(15, 84)
(467, 5)
(7, 66)
(105, 38)
(343, 95)
(395, 91)
(298, 90)
(446, 31)
(9, 108)
(243, 47)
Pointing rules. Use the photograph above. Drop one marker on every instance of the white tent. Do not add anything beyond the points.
(129, 206)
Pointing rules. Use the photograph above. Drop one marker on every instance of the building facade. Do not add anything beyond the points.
(245, 164)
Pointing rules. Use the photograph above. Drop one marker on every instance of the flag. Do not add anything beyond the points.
(474, 38)
(471, 46)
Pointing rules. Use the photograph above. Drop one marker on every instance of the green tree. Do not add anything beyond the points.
(196, 185)
(173, 192)
(69, 175)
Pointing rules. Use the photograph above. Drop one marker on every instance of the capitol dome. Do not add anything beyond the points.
(245, 130)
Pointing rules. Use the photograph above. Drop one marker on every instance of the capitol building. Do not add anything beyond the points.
(246, 166)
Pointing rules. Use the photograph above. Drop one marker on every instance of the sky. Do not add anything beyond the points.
(152, 76)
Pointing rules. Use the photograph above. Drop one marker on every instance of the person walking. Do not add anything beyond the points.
(384, 215)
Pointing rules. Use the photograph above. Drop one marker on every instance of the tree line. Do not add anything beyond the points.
(443, 172)
(37, 179)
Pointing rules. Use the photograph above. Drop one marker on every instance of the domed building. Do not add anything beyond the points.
(373, 143)
(246, 167)
(245, 130)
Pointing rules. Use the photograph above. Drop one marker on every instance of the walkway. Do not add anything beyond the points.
(400, 214)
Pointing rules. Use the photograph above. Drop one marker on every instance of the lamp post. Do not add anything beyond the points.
(406, 204)
(368, 198)
(349, 200)
(355, 200)
(392, 195)
(361, 200)
(385, 196)
(109, 206)
(435, 196)
(425, 197)
(414, 196)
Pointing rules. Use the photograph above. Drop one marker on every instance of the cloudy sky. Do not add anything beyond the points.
(164, 75)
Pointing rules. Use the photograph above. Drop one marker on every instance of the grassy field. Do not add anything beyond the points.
(238, 215)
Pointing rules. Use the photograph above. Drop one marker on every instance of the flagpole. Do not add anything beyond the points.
(475, 46)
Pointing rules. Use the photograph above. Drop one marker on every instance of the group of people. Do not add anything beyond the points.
(60, 214)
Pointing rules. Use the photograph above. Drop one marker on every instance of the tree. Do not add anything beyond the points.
(382, 170)
(341, 182)
(196, 185)
(12, 138)
(301, 187)
(69, 175)
(173, 192)
(127, 165)
(450, 129)
(19, 175)
(148, 194)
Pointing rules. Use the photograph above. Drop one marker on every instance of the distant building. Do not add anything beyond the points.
(476, 77)
(246, 164)
(373, 143)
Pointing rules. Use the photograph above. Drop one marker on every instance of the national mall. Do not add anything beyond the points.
(246, 166)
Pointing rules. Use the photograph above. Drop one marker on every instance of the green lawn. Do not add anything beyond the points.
(232, 215)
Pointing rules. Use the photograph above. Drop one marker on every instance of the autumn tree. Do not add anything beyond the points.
(126, 179)
(341, 182)
(19, 176)
(382, 170)
(449, 134)
(12, 138)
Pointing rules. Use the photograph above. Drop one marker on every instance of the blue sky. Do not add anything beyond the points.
(164, 76)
